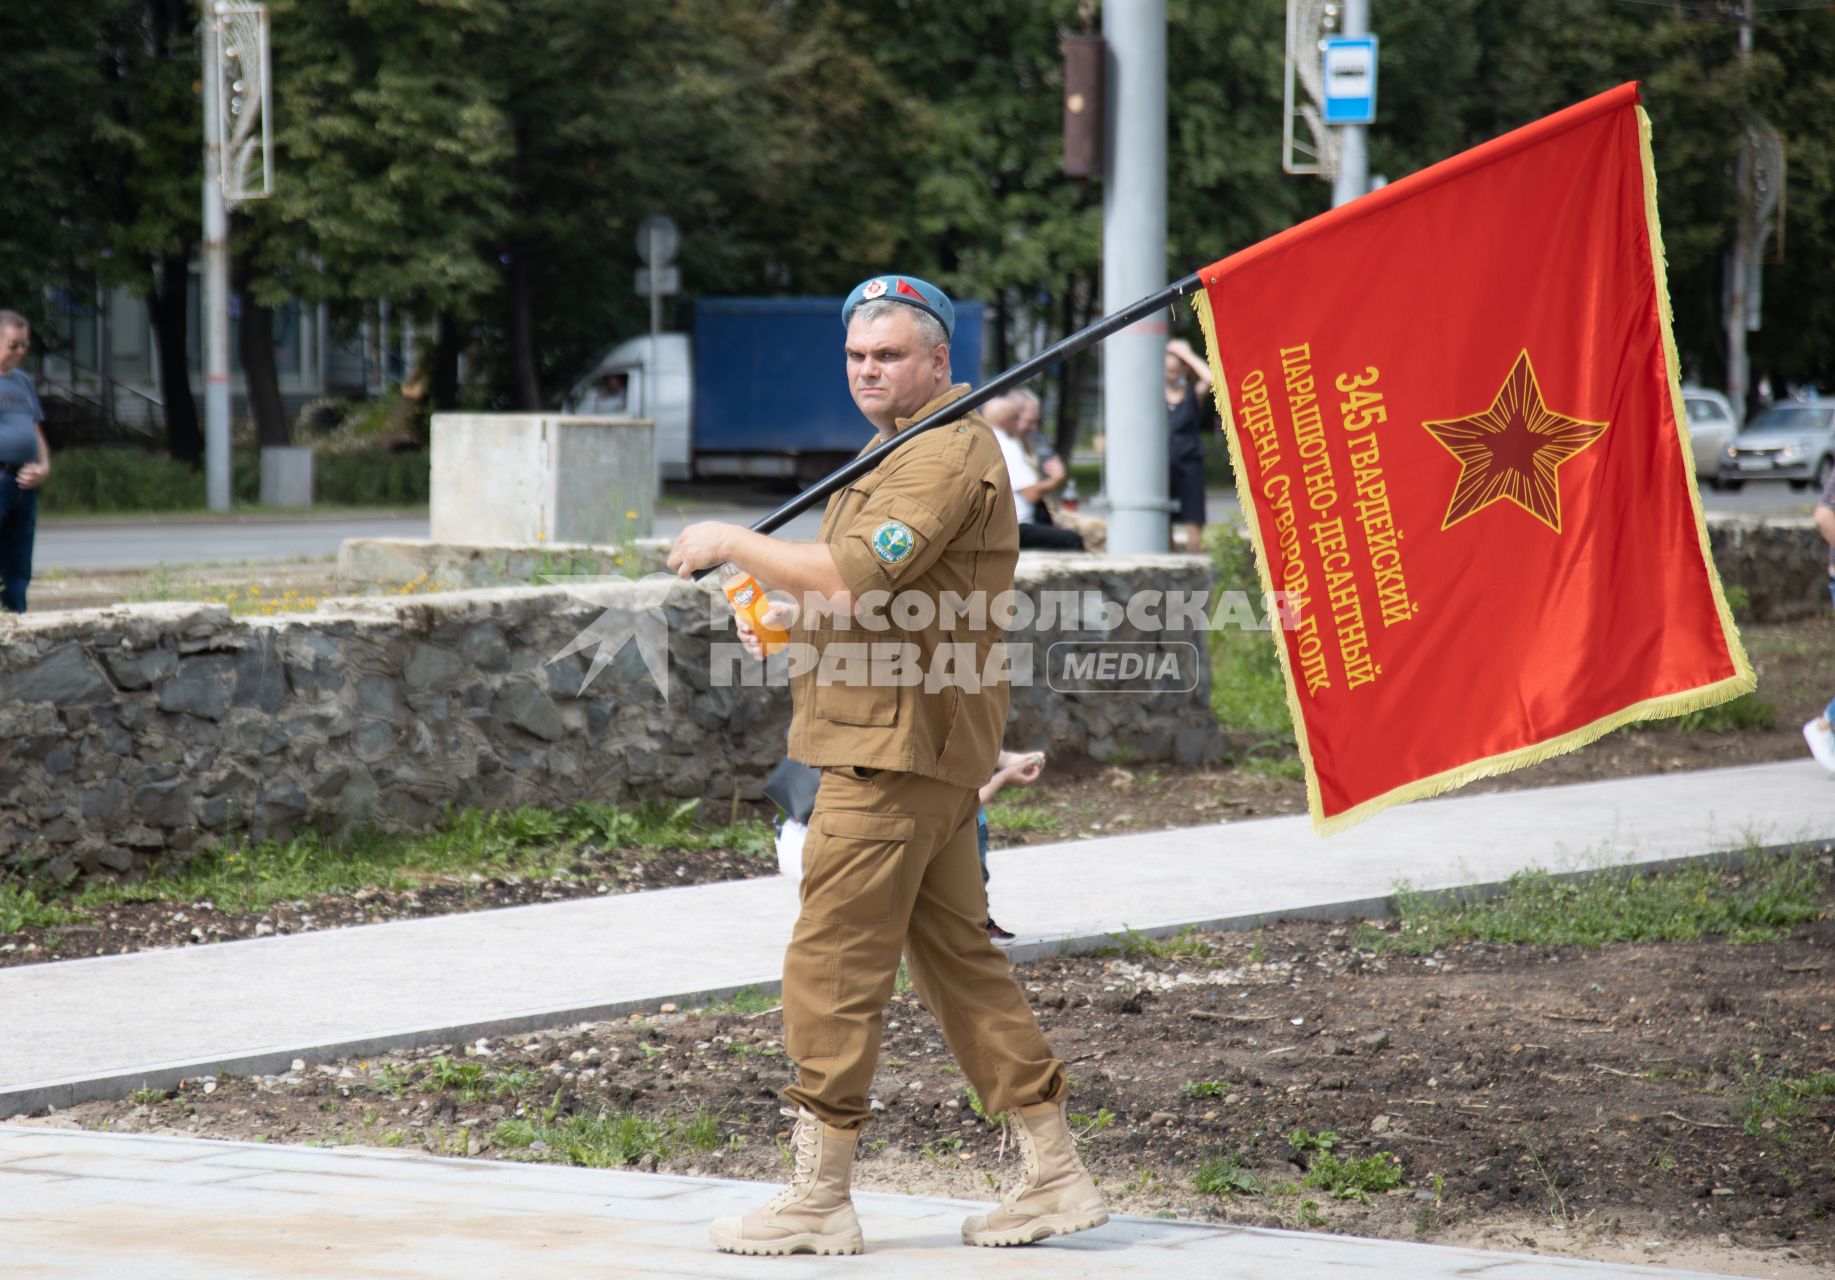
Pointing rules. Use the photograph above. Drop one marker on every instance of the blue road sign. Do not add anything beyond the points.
(1350, 79)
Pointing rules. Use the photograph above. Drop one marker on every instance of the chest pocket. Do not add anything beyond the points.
(847, 504)
(866, 705)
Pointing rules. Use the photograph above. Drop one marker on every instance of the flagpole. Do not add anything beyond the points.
(1084, 338)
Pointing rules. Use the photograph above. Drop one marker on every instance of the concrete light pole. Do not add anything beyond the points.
(1134, 266)
(1353, 176)
(216, 279)
(1739, 264)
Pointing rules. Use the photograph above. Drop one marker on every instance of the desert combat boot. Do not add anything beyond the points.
(1055, 1194)
(814, 1213)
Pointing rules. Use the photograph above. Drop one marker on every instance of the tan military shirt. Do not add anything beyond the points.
(934, 520)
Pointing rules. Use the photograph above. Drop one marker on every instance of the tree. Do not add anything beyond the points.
(102, 151)
(722, 116)
(146, 187)
(389, 146)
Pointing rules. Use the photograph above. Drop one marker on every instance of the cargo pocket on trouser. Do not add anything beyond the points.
(851, 865)
(846, 948)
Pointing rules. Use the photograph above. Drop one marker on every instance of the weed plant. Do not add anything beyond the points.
(1135, 945)
(1354, 1177)
(1226, 1176)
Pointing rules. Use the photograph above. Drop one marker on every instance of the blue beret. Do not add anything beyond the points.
(908, 289)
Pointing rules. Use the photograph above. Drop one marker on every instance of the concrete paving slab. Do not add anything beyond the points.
(354, 1215)
(105, 1026)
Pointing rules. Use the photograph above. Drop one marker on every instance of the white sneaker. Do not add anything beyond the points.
(1822, 742)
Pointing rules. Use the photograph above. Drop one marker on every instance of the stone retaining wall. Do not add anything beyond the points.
(1780, 564)
(133, 734)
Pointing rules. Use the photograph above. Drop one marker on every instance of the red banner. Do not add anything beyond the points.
(1458, 437)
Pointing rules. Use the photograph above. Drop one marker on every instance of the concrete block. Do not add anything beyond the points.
(286, 476)
(523, 479)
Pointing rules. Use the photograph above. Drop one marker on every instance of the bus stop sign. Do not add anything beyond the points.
(1350, 79)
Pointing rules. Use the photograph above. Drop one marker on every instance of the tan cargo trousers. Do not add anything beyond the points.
(890, 865)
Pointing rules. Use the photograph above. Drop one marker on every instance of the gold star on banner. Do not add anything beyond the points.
(1512, 450)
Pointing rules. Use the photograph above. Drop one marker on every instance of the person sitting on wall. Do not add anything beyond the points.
(1036, 532)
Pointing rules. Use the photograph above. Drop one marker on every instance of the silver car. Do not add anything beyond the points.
(1792, 441)
(1710, 426)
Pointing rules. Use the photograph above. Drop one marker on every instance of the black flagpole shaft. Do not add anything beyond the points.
(1086, 337)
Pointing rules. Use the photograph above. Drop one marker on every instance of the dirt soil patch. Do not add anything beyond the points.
(1636, 1102)
(297, 581)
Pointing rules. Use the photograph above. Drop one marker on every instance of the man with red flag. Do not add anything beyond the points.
(890, 865)
(1459, 443)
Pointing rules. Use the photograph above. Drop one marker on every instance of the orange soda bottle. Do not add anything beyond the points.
(748, 601)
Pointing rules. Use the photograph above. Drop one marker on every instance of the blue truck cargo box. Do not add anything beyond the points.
(770, 375)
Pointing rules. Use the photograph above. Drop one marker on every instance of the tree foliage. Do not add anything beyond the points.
(483, 164)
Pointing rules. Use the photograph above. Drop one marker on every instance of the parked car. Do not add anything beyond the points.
(1792, 440)
(1710, 426)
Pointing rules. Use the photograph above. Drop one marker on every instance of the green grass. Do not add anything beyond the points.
(1248, 693)
(1779, 1100)
(1225, 1176)
(1286, 768)
(746, 1000)
(610, 1140)
(105, 481)
(24, 906)
(1761, 902)
(1204, 1088)
(526, 842)
(1013, 817)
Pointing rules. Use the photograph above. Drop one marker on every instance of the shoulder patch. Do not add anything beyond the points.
(893, 541)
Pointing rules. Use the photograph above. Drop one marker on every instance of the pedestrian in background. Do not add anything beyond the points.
(1818, 732)
(1011, 769)
(1031, 482)
(25, 461)
(1187, 414)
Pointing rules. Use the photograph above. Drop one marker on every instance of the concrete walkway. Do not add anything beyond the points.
(104, 1027)
(88, 1206)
